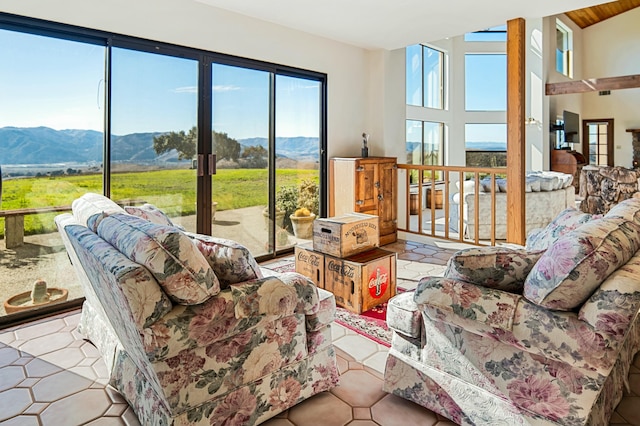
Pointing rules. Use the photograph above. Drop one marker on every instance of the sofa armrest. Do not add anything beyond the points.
(403, 315)
(283, 295)
(614, 305)
(467, 305)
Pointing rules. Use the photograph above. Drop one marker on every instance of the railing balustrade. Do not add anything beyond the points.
(437, 186)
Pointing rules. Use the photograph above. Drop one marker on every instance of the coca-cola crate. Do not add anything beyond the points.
(361, 281)
(310, 263)
(344, 235)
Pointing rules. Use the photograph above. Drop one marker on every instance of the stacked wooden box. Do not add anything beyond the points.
(345, 259)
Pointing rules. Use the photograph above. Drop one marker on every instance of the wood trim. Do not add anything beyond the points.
(593, 85)
(516, 221)
(610, 140)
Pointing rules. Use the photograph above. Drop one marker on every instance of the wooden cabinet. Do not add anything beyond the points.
(366, 185)
(568, 161)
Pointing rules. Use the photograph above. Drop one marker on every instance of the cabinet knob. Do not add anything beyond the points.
(377, 184)
(360, 169)
(380, 197)
(359, 202)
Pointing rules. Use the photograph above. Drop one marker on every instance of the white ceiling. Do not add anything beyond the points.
(393, 24)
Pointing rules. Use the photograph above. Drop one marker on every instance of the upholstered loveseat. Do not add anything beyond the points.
(537, 335)
(190, 329)
(547, 194)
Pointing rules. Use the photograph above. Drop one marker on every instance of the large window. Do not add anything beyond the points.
(425, 76)
(425, 143)
(485, 82)
(485, 144)
(564, 49)
(51, 151)
(204, 136)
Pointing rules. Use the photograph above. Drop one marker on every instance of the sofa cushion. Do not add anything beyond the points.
(170, 255)
(91, 208)
(231, 262)
(493, 267)
(568, 220)
(575, 265)
(149, 212)
(628, 209)
(147, 302)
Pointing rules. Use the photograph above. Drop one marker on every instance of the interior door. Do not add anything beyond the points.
(597, 141)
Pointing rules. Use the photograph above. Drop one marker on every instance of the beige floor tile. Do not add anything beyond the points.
(323, 409)
(358, 388)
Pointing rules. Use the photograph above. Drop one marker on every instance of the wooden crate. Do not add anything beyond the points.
(361, 281)
(345, 235)
(310, 263)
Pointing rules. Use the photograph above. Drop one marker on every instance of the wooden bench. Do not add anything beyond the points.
(14, 219)
(14, 222)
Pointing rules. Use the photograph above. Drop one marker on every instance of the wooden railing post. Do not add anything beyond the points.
(516, 218)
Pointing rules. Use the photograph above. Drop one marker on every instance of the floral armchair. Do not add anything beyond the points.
(190, 329)
(542, 335)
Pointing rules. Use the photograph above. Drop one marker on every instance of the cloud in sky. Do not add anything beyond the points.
(225, 88)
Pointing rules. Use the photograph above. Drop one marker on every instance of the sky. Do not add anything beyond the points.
(60, 84)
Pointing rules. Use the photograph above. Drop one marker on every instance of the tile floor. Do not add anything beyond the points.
(49, 375)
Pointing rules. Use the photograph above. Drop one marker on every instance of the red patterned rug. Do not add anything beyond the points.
(371, 324)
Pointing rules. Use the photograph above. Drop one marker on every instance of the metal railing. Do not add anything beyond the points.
(440, 184)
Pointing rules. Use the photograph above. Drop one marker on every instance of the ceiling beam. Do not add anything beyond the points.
(593, 85)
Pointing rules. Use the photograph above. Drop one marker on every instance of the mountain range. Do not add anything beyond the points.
(43, 145)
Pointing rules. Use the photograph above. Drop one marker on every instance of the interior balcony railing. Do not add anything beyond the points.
(437, 202)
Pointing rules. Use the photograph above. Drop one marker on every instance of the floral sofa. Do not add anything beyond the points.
(190, 328)
(536, 335)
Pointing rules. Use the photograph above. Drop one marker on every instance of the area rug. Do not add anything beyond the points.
(371, 324)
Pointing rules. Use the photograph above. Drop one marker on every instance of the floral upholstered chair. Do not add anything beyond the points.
(190, 329)
(543, 335)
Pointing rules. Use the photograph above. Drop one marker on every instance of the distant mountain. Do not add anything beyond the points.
(297, 148)
(42, 145)
(486, 146)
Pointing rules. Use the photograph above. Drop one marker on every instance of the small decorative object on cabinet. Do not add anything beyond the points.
(366, 185)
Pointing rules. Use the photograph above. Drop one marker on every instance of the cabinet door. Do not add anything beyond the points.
(387, 197)
(366, 188)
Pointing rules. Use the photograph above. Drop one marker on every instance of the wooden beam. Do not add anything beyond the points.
(593, 85)
(516, 218)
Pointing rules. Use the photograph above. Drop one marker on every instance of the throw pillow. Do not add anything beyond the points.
(91, 208)
(493, 267)
(151, 213)
(566, 221)
(231, 262)
(168, 253)
(575, 265)
(628, 209)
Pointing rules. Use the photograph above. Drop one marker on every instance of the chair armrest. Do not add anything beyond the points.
(403, 315)
(467, 305)
(283, 295)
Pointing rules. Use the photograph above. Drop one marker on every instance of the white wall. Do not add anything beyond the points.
(200, 26)
(613, 50)
(559, 103)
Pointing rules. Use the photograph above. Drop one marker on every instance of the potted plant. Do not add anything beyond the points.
(302, 222)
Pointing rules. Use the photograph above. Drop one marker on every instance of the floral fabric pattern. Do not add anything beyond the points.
(147, 302)
(534, 365)
(493, 267)
(628, 209)
(167, 252)
(231, 262)
(575, 265)
(241, 356)
(91, 208)
(149, 212)
(403, 315)
(568, 220)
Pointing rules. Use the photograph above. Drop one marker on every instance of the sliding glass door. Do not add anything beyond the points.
(154, 133)
(297, 157)
(240, 143)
